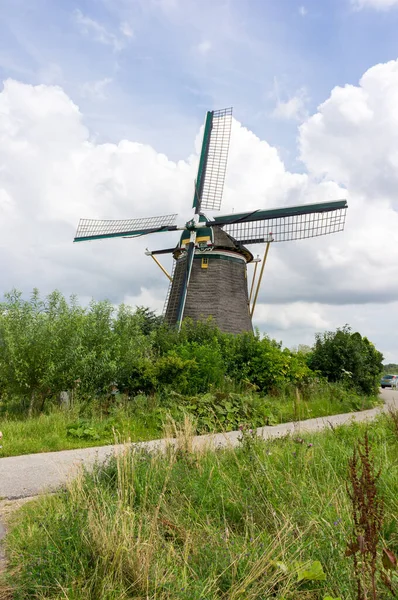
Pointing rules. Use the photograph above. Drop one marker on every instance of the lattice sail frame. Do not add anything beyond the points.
(94, 229)
(213, 160)
(280, 226)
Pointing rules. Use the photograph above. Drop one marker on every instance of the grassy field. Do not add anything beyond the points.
(269, 520)
(143, 419)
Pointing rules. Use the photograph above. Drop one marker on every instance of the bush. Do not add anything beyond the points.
(51, 345)
(345, 356)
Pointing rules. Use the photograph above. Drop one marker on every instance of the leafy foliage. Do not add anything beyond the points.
(310, 572)
(52, 344)
(345, 356)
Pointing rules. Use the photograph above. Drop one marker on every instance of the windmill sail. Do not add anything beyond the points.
(210, 260)
(96, 229)
(284, 224)
(209, 184)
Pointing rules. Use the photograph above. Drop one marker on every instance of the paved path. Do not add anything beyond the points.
(31, 474)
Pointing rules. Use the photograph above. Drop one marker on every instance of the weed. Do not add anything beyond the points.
(367, 515)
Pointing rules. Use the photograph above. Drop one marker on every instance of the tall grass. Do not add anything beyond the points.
(234, 524)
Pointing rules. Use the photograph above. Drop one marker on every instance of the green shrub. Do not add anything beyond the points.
(50, 345)
(348, 357)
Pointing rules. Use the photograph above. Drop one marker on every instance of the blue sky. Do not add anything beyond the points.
(177, 58)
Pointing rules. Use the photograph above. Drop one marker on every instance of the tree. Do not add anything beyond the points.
(345, 356)
(148, 320)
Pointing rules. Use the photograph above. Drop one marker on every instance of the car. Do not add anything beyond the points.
(389, 381)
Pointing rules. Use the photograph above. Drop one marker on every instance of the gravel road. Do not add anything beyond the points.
(31, 474)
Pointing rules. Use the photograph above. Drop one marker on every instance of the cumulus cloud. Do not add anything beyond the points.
(52, 173)
(353, 137)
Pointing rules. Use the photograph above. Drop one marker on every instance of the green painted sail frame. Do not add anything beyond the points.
(275, 213)
(200, 180)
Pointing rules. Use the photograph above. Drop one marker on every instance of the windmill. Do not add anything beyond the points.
(209, 275)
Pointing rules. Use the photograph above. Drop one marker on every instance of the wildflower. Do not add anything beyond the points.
(310, 445)
(337, 522)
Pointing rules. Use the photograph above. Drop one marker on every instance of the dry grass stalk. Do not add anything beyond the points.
(367, 515)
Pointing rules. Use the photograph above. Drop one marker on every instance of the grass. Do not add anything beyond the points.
(142, 419)
(49, 433)
(268, 520)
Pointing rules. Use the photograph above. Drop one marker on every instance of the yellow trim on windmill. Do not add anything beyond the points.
(198, 239)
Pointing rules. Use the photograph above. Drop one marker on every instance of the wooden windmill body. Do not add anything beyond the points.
(218, 283)
(210, 261)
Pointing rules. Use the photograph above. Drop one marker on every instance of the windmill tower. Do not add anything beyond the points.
(219, 272)
(210, 261)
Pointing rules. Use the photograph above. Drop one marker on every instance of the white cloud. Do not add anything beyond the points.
(377, 4)
(303, 11)
(294, 108)
(126, 29)
(204, 47)
(300, 315)
(96, 89)
(353, 138)
(100, 33)
(52, 173)
(146, 298)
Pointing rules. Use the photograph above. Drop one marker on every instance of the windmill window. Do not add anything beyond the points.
(205, 263)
